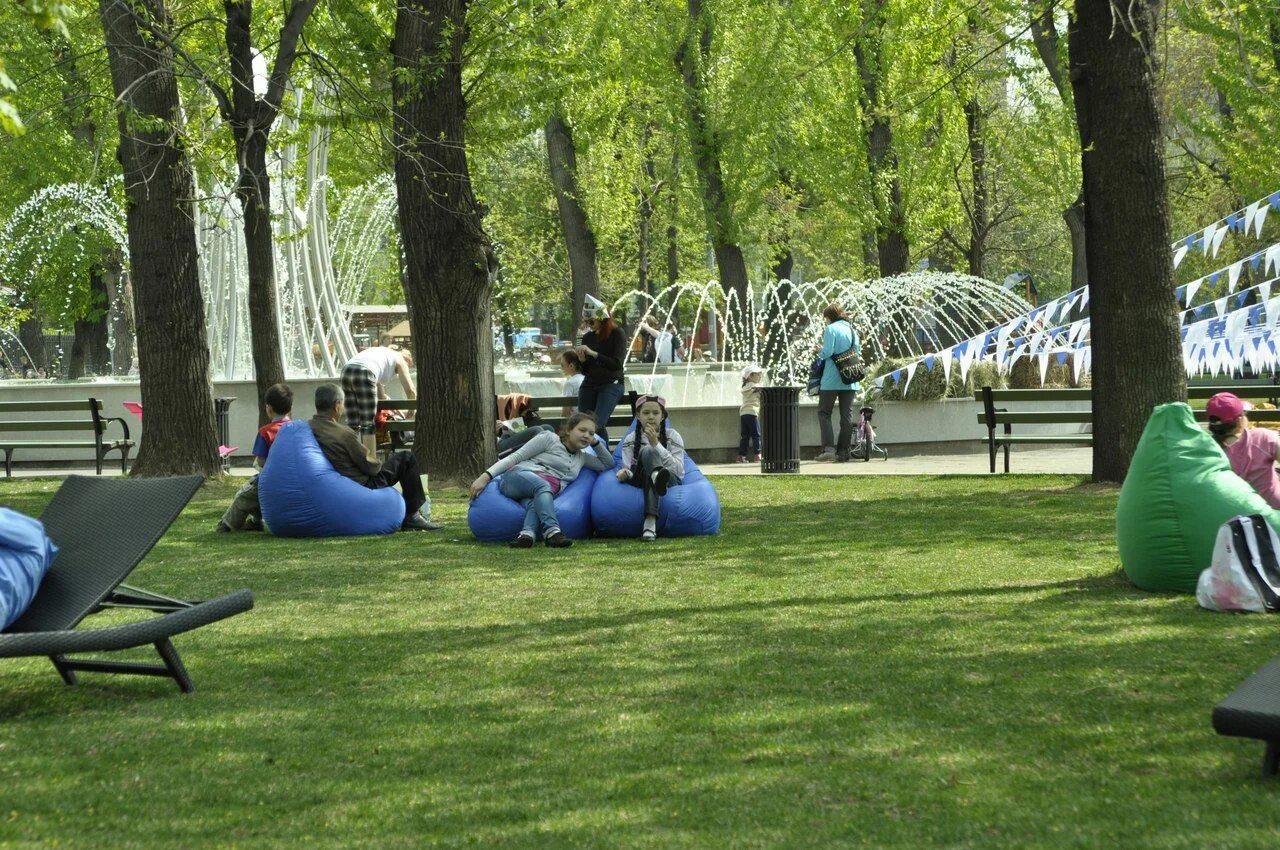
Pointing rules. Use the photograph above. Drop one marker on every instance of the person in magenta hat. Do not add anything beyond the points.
(652, 458)
(1251, 451)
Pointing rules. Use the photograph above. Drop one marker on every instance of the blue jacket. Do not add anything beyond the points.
(837, 338)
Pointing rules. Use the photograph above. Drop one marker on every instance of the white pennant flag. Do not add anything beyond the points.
(1259, 219)
(1273, 310)
(965, 360)
(1077, 361)
(1178, 254)
(1221, 306)
(1217, 240)
(1272, 257)
(1207, 240)
(946, 356)
(911, 372)
(1249, 213)
(1264, 291)
(1044, 366)
(1192, 288)
(1233, 275)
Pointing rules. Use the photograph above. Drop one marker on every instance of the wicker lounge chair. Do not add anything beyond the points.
(103, 528)
(1253, 711)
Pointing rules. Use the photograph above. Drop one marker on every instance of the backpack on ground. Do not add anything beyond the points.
(1244, 574)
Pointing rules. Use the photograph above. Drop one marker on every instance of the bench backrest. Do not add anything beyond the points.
(92, 408)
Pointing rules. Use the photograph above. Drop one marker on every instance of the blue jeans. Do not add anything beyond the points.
(749, 432)
(532, 491)
(601, 399)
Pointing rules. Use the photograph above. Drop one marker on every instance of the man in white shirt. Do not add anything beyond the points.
(364, 382)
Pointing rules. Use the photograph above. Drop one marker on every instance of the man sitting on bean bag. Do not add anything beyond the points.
(354, 460)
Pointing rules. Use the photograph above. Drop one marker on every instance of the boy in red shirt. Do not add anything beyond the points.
(244, 513)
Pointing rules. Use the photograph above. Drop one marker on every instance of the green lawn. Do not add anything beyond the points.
(859, 661)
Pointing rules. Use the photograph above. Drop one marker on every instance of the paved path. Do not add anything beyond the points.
(1065, 461)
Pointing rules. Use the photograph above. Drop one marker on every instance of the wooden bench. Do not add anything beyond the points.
(92, 421)
(555, 405)
(1000, 417)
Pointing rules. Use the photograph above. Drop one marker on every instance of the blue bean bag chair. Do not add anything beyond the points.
(690, 508)
(302, 495)
(496, 519)
(25, 555)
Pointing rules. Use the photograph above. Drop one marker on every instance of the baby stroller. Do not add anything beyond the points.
(864, 438)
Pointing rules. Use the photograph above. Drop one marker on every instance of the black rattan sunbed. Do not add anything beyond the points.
(103, 528)
(1253, 711)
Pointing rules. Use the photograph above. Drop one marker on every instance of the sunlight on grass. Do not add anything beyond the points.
(887, 662)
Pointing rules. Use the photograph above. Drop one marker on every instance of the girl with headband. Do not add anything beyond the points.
(652, 458)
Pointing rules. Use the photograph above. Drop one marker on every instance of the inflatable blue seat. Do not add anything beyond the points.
(690, 508)
(302, 495)
(496, 519)
(25, 555)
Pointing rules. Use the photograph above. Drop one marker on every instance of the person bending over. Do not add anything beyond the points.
(356, 461)
(1251, 451)
(244, 513)
(652, 458)
(364, 382)
(536, 472)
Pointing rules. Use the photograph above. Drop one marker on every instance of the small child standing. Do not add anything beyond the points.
(244, 513)
(749, 414)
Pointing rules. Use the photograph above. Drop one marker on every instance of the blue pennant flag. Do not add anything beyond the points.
(1274, 198)
(1191, 241)
(960, 349)
(928, 362)
(1180, 293)
(1255, 312)
(1062, 357)
(1214, 278)
(1256, 261)
(1233, 221)
(1241, 298)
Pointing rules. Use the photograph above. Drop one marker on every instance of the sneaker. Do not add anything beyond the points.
(648, 536)
(842, 457)
(743, 459)
(253, 524)
(557, 540)
(222, 528)
(825, 457)
(524, 541)
(417, 522)
(660, 479)
(759, 458)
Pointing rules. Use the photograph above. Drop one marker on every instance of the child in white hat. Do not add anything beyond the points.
(749, 415)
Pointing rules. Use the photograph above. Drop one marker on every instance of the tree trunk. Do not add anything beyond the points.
(254, 191)
(892, 248)
(721, 227)
(1044, 33)
(31, 335)
(122, 329)
(579, 238)
(1074, 217)
(89, 351)
(979, 223)
(448, 257)
(644, 214)
(251, 116)
(173, 349)
(1137, 350)
(673, 227)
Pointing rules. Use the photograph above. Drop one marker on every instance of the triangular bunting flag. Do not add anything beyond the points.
(1178, 254)
(1220, 235)
(1257, 222)
(1192, 288)
(1249, 213)
(1233, 275)
(1207, 240)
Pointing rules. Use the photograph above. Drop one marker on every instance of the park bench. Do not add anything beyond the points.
(91, 421)
(999, 419)
(553, 405)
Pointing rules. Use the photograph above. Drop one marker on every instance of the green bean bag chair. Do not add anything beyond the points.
(1179, 490)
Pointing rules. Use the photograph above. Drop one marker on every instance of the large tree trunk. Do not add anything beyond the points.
(979, 214)
(448, 287)
(172, 347)
(122, 327)
(1137, 350)
(644, 214)
(31, 335)
(692, 64)
(1074, 217)
(892, 249)
(579, 238)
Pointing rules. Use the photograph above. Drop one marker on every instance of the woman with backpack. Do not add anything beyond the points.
(838, 340)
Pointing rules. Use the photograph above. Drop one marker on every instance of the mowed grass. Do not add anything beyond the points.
(853, 662)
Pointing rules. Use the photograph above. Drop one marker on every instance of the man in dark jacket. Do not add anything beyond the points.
(354, 460)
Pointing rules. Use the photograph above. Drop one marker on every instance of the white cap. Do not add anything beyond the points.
(751, 370)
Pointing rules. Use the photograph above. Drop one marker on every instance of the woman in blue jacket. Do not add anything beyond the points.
(837, 338)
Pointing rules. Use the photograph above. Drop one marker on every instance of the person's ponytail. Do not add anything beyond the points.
(1220, 429)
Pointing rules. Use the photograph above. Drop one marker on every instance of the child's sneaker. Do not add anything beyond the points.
(759, 458)
(743, 459)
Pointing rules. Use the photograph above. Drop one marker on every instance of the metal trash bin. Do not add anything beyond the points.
(222, 416)
(780, 424)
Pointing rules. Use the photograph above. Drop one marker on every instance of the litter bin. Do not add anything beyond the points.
(780, 422)
(222, 416)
